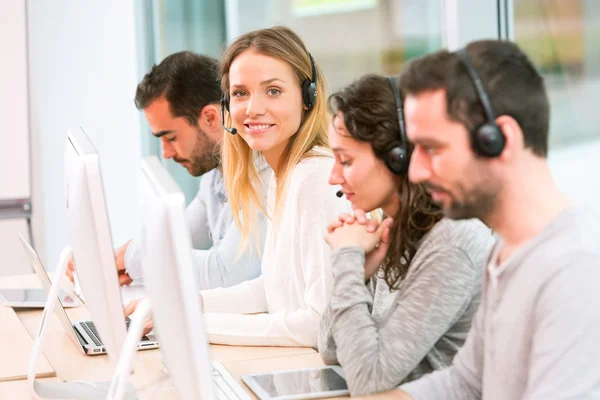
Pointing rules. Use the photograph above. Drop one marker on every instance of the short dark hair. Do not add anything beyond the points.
(187, 80)
(511, 81)
(369, 112)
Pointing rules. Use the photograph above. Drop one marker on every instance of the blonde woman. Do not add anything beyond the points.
(275, 96)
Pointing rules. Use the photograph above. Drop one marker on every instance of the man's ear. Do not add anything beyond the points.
(210, 121)
(513, 134)
(210, 116)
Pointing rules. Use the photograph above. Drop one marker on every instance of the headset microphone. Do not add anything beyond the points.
(339, 193)
(233, 131)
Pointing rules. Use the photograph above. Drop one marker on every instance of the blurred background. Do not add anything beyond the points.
(68, 63)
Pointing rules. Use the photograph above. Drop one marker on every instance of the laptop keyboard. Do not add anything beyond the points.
(90, 328)
(222, 389)
(221, 395)
(128, 322)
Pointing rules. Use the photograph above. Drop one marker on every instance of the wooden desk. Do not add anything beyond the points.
(68, 362)
(15, 348)
(239, 353)
(71, 365)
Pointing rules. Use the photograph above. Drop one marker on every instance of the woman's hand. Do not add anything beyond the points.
(369, 234)
(374, 259)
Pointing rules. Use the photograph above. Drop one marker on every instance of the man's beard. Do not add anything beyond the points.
(204, 157)
(479, 202)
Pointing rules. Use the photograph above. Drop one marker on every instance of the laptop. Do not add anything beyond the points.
(83, 333)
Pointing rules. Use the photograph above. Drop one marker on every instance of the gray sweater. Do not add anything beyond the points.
(384, 338)
(537, 332)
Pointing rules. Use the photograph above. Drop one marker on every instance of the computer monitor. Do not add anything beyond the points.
(91, 241)
(40, 271)
(168, 278)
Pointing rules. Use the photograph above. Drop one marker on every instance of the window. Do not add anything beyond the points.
(348, 38)
(562, 38)
(169, 26)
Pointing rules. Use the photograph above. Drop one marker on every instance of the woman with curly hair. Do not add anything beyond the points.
(406, 289)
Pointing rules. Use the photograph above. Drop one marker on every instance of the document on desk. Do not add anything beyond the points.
(15, 347)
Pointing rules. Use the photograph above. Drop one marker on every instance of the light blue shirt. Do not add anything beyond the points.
(215, 237)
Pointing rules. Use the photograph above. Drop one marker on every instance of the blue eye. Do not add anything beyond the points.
(274, 92)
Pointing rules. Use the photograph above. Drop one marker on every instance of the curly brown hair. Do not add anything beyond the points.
(369, 112)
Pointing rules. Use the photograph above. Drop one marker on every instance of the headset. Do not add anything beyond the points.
(397, 159)
(309, 86)
(309, 95)
(487, 139)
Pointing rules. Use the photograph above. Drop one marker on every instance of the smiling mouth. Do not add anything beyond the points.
(257, 128)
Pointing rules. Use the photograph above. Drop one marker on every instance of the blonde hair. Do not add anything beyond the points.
(242, 181)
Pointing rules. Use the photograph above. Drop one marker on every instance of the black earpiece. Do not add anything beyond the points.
(225, 105)
(309, 86)
(397, 159)
(339, 193)
(487, 139)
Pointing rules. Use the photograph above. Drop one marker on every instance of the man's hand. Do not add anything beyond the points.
(71, 268)
(124, 278)
(130, 308)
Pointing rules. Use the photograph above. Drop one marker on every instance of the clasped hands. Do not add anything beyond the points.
(371, 235)
(357, 230)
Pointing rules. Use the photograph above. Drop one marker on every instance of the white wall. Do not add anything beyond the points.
(14, 154)
(575, 170)
(15, 190)
(83, 73)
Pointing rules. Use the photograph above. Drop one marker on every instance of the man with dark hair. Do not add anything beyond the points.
(479, 121)
(180, 100)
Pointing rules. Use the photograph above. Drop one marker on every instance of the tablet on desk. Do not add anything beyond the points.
(308, 383)
(32, 298)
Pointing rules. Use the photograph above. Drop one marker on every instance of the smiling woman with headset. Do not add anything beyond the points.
(274, 93)
(423, 271)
